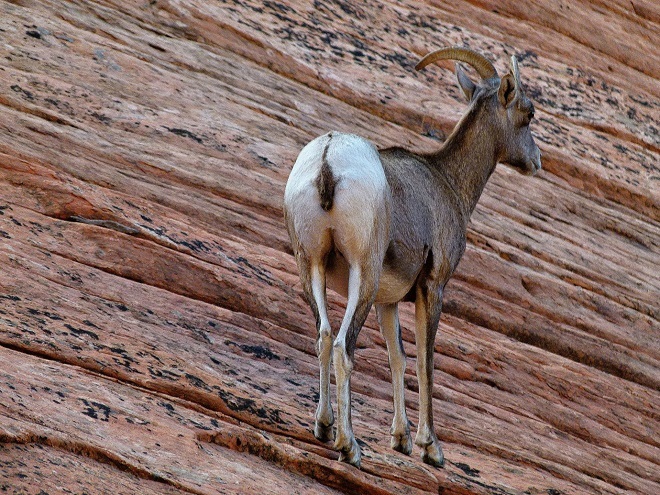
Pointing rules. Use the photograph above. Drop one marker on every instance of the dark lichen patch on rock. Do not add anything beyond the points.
(246, 405)
(80, 332)
(10, 297)
(467, 469)
(259, 352)
(184, 133)
(96, 410)
(197, 382)
(248, 269)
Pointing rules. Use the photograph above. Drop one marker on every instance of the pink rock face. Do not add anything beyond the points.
(153, 337)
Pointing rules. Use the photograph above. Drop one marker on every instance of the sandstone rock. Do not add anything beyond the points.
(152, 331)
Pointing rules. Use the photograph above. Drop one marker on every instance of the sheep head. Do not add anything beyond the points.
(507, 110)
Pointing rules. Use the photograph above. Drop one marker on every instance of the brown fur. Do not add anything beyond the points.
(325, 182)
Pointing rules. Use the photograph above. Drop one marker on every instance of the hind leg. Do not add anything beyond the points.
(311, 267)
(324, 418)
(361, 294)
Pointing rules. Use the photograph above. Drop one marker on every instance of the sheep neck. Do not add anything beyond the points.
(468, 158)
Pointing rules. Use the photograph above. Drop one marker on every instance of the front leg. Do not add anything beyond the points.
(428, 306)
(388, 319)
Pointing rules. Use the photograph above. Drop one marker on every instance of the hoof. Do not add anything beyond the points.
(402, 443)
(350, 454)
(432, 455)
(323, 433)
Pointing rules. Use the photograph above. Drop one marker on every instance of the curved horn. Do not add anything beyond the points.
(479, 62)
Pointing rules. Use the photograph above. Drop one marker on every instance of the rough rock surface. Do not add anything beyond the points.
(152, 334)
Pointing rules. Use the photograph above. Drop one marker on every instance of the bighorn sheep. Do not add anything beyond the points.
(387, 226)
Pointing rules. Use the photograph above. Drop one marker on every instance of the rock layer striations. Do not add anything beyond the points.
(153, 338)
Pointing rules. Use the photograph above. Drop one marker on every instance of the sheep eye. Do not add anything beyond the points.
(531, 114)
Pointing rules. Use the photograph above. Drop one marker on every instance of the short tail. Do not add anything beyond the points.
(326, 182)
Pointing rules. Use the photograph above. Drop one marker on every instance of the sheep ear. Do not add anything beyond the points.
(508, 91)
(465, 83)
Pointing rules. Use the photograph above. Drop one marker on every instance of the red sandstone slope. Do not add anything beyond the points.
(153, 338)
